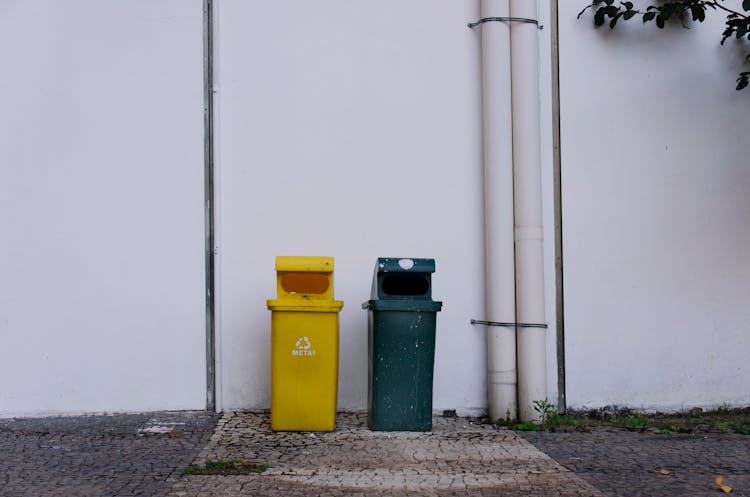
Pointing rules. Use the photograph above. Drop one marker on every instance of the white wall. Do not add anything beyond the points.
(655, 216)
(343, 128)
(351, 129)
(101, 206)
(348, 129)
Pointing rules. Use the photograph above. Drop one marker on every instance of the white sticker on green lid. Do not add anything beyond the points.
(406, 263)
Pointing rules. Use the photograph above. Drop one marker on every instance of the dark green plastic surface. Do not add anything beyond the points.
(401, 345)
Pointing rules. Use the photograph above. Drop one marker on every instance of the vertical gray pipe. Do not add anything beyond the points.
(556, 157)
(208, 172)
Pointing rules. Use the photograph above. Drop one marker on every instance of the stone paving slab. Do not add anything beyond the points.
(457, 459)
(99, 456)
(628, 464)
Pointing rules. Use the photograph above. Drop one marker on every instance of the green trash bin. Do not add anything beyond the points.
(401, 345)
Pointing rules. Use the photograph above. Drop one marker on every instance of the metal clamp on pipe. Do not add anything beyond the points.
(509, 325)
(473, 25)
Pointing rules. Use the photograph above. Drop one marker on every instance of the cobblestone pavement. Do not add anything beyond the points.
(146, 454)
(98, 456)
(456, 459)
(628, 464)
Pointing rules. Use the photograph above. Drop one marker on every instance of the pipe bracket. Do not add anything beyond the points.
(509, 325)
(473, 25)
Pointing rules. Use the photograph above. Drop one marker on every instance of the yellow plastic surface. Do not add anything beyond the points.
(304, 370)
(304, 345)
(304, 263)
(304, 278)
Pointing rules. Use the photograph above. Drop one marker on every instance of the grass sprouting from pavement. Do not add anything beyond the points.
(227, 467)
(720, 420)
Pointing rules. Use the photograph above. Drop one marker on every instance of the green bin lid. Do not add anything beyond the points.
(402, 278)
(404, 265)
(403, 305)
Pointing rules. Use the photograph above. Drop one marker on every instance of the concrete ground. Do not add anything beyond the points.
(146, 454)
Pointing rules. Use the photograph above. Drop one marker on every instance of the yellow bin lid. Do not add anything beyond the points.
(303, 279)
(304, 306)
(304, 263)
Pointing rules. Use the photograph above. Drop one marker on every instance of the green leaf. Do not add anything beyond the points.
(611, 11)
(727, 33)
(698, 12)
(660, 21)
(629, 14)
(629, 5)
(742, 80)
(599, 17)
(614, 20)
(741, 31)
(649, 16)
(746, 4)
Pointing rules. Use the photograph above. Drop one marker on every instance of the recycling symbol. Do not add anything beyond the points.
(303, 343)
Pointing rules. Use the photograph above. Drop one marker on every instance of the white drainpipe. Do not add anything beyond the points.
(531, 343)
(513, 214)
(498, 201)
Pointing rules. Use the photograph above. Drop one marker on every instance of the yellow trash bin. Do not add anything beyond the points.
(304, 345)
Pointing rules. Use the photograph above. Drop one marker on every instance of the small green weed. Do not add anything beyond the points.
(724, 408)
(526, 427)
(634, 423)
(227, 467)
(506, 422)
(742, 425)
(549, 417)
(578, 423)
